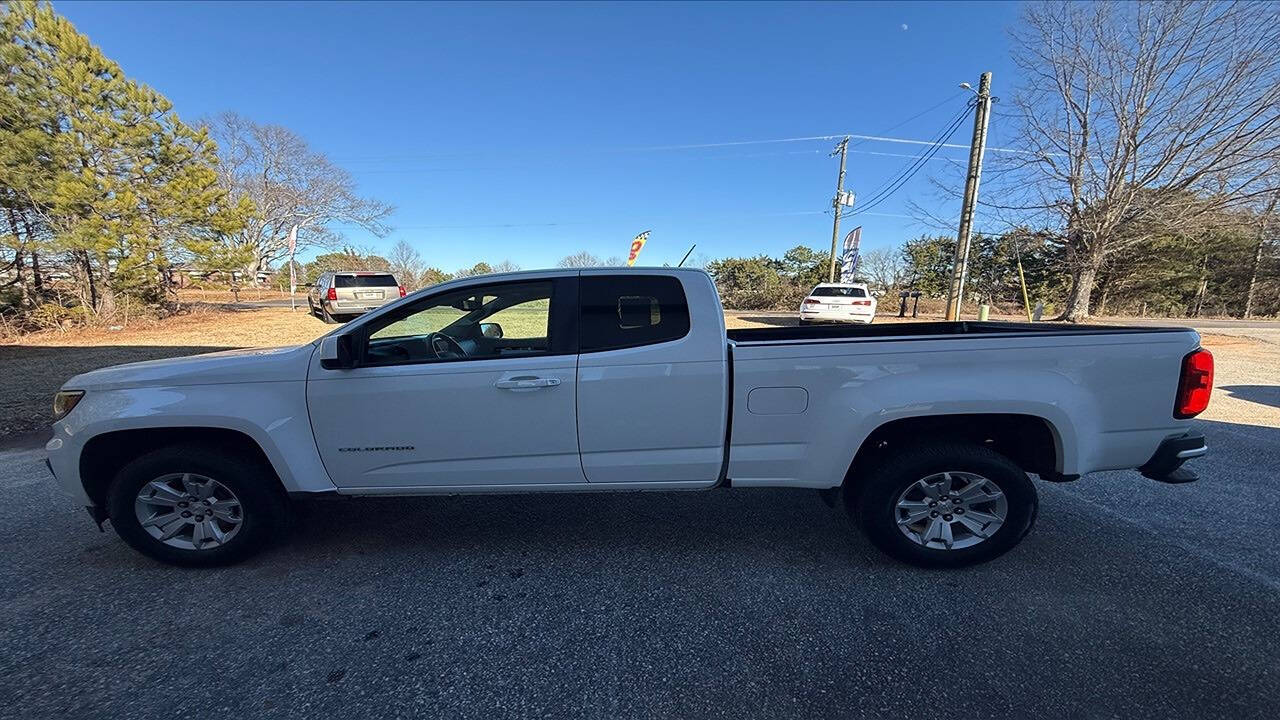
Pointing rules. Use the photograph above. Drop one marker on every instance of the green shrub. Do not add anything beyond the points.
(54, 316)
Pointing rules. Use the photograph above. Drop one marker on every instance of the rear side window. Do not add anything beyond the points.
(619, 311)
(838, 292)
(353, 281)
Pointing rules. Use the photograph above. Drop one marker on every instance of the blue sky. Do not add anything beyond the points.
(528, 132)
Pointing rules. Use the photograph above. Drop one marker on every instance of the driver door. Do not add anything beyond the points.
(467, 388)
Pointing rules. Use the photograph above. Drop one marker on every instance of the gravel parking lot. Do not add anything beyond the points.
(1129, 599)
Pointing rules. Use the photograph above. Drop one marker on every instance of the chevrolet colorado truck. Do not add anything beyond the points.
(620, 379)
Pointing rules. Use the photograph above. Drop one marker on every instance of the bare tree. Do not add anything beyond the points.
(287, 184)
(406, 264)
(484, 268)
(1265, 228)
(1145, 114)
(580, 259)
(883, 268)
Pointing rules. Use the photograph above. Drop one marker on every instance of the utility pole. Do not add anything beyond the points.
(977, 148)
(840, 201)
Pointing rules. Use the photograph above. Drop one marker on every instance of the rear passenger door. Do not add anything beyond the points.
(652, 384)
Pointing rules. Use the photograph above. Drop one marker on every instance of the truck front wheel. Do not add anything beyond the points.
(945, 505)
(188, 505)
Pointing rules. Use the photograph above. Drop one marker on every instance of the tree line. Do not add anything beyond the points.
(105, 191)
(1222, 270)
(1146, 147)
(1143, 177)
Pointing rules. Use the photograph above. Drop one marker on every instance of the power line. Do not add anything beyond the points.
(904, 155)
(941, 137)
(696, 146)
(926, 111)
(887, 189)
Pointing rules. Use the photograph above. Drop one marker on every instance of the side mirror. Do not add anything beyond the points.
(337, 352)
(493, 331)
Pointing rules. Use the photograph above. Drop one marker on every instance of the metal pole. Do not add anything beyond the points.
(1022, 279)
(293, 271)
(1026, 303)
(978, 146)
(843, 150)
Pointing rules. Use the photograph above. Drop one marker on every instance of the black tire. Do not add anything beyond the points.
(875, 496)
(326, 317)
(264, 507)
(311, 308)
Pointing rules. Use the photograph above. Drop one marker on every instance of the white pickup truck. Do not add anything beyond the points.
(590, 380)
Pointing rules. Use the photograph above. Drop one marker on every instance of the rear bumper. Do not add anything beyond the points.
(350, 308)
(829, 316)
(1165, 463)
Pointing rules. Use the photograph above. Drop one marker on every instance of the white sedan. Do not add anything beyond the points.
(838, 302)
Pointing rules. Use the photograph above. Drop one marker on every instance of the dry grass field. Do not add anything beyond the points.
(35, 366)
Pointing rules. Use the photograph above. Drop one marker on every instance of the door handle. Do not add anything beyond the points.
(527, 383)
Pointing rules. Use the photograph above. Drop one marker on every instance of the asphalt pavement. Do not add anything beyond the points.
(1129, 599)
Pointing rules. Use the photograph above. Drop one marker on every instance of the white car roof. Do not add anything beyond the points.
(843, 285)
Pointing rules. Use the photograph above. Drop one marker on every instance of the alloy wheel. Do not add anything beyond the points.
(951, 510)
(189, 511)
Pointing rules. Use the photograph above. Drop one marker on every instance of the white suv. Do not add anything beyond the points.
(838, 302)
(340, 296)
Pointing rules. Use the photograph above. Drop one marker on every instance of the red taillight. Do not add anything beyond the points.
(861, 302)
(333, 294)
(401, 291)
(1195, 385)
(811, 301)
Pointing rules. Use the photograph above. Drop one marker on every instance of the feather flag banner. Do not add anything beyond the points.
(849, 258)
(636, 246)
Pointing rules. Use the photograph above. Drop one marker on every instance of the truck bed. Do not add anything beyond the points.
(1105, 394)
(930, 330)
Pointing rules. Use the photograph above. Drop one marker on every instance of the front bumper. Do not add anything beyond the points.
(1166, 464)
(63, 463)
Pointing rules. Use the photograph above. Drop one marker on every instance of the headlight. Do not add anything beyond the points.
(64, 402)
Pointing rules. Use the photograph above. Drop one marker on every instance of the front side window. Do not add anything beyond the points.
(496, 321)
(619, 311)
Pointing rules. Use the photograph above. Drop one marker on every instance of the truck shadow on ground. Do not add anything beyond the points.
(788, 527)
(1261, 394)
(790, 524)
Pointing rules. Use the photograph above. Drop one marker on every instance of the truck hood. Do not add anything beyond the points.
(228, 366)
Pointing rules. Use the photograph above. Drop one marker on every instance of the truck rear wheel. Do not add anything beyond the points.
(188, 505)
(945, 505)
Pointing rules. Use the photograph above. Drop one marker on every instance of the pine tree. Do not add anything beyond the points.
(120, 186)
